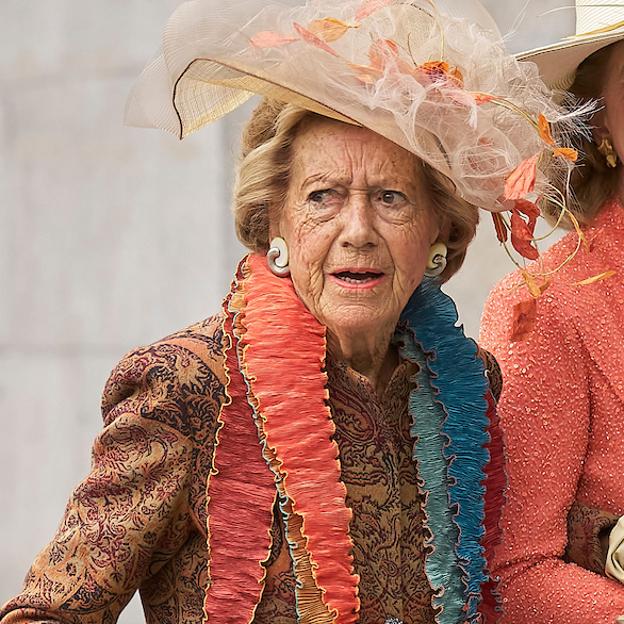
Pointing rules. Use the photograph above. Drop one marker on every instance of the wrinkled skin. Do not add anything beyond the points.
(356, 202)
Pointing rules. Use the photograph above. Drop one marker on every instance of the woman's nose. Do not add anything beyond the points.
(358, 216)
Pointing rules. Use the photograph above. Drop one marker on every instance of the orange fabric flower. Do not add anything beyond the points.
(568, 153)
(543, 127)
(523, 231)
(329, 28)
(313, 39)
(521, 181)
(382, 50)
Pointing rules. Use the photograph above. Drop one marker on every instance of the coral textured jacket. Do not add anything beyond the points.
(562, 411)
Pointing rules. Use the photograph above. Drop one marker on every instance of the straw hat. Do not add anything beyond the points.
(599, 23)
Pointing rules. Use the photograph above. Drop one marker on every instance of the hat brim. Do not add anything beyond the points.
(558, 62)
(194, 91)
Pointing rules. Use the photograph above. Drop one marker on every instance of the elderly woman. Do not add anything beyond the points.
(563, 403)
(325, 448)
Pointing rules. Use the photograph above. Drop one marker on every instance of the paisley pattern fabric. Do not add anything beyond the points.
(588, 537)
(377, 468)
(138, 521)
(387, 526)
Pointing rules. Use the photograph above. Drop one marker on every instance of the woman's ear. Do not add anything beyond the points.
(440, 231)
(273, 231)
(600, 128)
(274, 216)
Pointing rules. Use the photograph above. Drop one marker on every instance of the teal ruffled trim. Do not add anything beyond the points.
(441, 563)
(457, 380)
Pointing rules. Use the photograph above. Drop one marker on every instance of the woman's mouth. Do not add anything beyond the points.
(357, 278)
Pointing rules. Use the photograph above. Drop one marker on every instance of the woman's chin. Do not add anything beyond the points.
(355, 320)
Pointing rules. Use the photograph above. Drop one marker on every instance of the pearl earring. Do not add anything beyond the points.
(437, 260)
(277, 257)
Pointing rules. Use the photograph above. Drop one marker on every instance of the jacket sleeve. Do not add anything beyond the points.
(545, 414)
(131, 514)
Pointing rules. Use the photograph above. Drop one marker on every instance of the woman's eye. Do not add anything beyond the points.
(323, 196)
(392, 198)
(316, 197)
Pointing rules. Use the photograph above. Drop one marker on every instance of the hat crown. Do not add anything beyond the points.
(592, 15)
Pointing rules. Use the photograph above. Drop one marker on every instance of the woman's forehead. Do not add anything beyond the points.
(326, 144)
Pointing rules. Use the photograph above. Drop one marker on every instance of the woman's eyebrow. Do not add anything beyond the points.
(393, 181)
(383, 180)
(329, 178)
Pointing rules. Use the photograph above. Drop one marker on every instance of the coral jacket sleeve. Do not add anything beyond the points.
(545, 413)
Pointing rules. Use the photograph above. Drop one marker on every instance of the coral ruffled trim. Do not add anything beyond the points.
(309, 598)
(283, 352)
(237, 500)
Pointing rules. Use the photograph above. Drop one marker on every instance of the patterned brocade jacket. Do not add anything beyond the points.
(138, 521)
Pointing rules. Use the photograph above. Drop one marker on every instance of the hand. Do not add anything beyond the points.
(614, 567)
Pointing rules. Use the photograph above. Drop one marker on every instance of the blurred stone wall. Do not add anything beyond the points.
(111, 237)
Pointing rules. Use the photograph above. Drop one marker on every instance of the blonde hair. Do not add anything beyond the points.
(263, 176)
(592, 183)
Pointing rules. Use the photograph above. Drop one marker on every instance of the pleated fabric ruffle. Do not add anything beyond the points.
(241, 495)
(276, 440)
(457, 384)
(282, 355)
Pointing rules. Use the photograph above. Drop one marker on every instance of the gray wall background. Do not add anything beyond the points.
(111, 237)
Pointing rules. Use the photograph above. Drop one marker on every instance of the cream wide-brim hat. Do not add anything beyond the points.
(432, 76)
(599, 23)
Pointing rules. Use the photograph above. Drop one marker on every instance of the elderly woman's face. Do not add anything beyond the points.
(358, 225)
